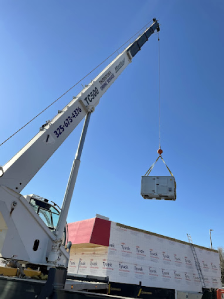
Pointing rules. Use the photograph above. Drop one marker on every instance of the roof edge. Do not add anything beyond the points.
(161, 236)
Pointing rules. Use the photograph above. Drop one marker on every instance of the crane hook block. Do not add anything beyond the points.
(160, 151)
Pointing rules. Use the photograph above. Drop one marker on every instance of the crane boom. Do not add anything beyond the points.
(28, 231)
(18, 171)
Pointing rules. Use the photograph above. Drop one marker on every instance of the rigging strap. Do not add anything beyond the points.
(152, 166)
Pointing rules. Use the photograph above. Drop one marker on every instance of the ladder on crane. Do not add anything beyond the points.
(197, 264)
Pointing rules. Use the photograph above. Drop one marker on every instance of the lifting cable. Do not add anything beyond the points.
(159, 85)
(145, 26)
(159, 151)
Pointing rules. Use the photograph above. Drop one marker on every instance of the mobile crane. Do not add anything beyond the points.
(31, 228)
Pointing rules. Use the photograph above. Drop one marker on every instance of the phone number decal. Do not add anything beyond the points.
(67, 122)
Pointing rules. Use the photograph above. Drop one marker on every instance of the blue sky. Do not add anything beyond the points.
(47, 46)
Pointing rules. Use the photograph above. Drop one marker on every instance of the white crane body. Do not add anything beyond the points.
(23, 234)
(21, 228)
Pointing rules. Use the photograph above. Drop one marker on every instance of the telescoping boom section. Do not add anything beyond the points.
(23, 234)
(25, 164)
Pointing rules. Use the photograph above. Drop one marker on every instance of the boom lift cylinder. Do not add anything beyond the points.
(68, 194)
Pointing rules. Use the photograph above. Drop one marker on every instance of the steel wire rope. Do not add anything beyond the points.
(75, 84)
(159, 87)
(152, 166)
(160, 156)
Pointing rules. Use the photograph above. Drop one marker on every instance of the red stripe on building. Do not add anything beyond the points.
(92, 231)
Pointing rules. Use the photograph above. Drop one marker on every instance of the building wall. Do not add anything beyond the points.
(156, 261)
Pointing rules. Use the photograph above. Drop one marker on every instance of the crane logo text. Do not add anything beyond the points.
(106, 80)
(119, 66)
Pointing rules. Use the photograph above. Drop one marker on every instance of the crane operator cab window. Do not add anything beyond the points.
(48, 213)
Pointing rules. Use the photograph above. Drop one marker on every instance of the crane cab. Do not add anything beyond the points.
(158, 187)
(48, 212)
